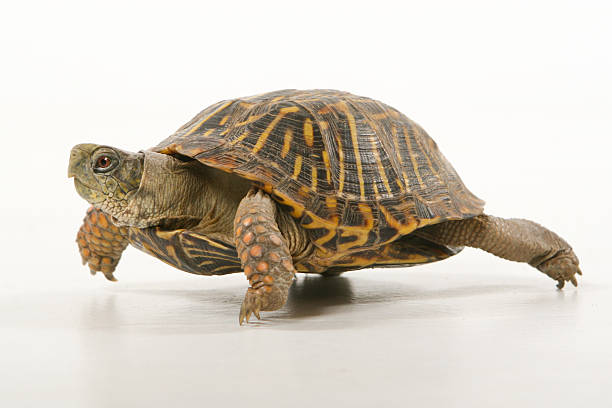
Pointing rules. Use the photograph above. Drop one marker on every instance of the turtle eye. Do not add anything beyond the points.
(103, 164)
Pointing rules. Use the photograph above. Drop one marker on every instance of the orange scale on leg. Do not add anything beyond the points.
(96, 231)
(256, 251)
(248, 237)
(102, 221)
(248, 270)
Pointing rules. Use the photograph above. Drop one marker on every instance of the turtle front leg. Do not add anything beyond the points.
(513, 239)
(101, 243)
(264, 254)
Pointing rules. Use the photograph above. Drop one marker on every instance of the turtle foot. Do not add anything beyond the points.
(262, 298)
(251, 305)
(101, 243)
(563, 267)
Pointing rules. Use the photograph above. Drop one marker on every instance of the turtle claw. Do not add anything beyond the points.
(563, 267)
(110, 277)
(251, 305)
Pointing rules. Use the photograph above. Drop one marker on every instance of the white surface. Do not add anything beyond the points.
(517, 97)
(419, 338)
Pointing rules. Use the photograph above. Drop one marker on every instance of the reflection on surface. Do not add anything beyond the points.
(314, 302)
(428, 336)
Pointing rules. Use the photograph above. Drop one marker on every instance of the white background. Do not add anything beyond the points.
(516, 94)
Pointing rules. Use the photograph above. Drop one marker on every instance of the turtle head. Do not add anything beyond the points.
(148, 189)
(105, 176)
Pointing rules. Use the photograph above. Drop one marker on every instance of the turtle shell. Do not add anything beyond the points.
(354, 171)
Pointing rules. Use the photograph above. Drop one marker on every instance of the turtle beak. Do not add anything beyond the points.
(79, 167)
(79, 159)
(75, 162)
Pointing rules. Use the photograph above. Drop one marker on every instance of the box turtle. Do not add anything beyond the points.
(316, 181)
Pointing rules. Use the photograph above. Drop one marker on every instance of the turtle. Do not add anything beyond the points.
(309, 181)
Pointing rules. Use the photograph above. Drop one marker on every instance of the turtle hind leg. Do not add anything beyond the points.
(513, 239)
(101, 243)
(264, 254)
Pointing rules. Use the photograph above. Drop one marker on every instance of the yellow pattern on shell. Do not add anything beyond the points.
(376, 161)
